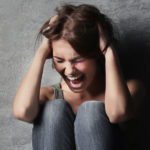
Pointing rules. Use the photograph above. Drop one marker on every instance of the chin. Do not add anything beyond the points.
(77, 90)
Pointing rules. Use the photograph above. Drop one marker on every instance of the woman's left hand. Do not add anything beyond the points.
(103, 43)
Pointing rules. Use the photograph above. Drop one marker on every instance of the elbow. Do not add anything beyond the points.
(118, 117)
(22, 114)
(114, 119)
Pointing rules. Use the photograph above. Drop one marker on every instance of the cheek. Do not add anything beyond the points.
(58, 67)
(89, 68)
(81, 66)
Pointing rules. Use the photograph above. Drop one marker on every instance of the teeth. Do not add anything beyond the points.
(73, 78)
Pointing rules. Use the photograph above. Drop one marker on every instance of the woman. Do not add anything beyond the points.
(83, 110)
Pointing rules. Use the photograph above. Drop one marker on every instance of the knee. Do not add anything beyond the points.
(90, 113)
(91, 108)
(53, 111)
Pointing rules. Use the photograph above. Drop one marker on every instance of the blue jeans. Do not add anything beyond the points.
(58, 128)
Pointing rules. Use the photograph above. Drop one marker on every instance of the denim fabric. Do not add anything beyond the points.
(58, 128)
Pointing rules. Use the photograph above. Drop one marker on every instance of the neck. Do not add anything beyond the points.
(97, 88)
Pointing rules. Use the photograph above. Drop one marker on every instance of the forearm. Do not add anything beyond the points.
(117, 96)
(26, 102)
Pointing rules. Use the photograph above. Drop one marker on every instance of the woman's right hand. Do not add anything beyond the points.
(45, 46)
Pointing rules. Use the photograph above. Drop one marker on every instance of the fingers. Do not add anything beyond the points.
(46, 30)
(53, 19)
(103, 41)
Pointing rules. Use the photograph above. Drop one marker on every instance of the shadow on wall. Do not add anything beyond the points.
(134, 53)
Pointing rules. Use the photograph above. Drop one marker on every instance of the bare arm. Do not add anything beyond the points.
(121, 98)
(26, 102)
(30, 96)
(117, 95)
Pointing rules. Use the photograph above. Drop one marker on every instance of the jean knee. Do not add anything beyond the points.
(89, 113)
(53, 111)
(91, 108)
(54, 122)
(93, 125)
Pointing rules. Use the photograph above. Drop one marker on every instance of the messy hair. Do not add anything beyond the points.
(79, 26)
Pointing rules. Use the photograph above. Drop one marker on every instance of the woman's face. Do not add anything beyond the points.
(78, 72)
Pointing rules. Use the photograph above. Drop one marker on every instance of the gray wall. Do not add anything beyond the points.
(19, 22)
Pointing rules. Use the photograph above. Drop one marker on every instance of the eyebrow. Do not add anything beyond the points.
(75, 58)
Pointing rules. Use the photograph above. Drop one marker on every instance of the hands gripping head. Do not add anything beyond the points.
(86, 29)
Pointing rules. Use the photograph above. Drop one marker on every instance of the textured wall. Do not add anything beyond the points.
(19, 22)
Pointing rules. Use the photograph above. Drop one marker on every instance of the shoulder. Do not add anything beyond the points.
(138, 92)
(46, 93)
(136, 86)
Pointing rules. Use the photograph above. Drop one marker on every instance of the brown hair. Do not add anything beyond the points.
(79, 25)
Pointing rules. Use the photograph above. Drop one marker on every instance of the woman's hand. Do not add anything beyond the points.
(104, 47)
(45, 47)
(104, 43)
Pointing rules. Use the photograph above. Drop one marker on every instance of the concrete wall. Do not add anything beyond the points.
(19, 22)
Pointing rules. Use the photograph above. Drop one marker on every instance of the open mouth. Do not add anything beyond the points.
(75, 82)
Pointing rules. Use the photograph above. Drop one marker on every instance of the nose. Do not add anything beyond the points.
(69, 69)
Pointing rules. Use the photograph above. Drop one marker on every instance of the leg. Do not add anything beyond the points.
(93, 131)
(54, 127)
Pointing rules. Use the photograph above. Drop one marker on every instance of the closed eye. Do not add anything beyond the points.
(78, 60)
(59, 61)
(75, 60)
